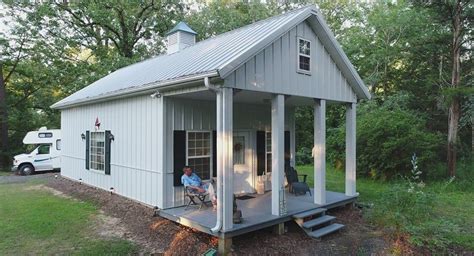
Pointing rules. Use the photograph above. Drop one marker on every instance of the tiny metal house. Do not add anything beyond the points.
(224, 106)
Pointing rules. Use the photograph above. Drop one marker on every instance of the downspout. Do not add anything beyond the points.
(213, 88)
(210, 86)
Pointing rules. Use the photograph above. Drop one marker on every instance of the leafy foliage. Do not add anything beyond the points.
(387, 136)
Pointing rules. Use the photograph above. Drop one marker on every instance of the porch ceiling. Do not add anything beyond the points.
(247, 97)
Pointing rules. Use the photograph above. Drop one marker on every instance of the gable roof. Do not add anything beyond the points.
(214, 57)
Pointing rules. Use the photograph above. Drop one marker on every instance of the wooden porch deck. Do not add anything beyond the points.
(256, 212)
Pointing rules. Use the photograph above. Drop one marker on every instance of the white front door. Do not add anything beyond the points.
(242, 148)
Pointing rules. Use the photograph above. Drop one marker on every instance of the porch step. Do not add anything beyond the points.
(309, 213)
(326, 230)
(318, 221)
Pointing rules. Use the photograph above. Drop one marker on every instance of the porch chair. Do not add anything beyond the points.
(294, 185)
(192, 195)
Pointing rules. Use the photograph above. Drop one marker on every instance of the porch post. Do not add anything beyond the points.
(227, 159)
(161, 152)
(319, 151)
(351, 149)
(278, 154)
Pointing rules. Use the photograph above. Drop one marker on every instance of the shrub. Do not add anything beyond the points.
(304, 156)
(387, 136)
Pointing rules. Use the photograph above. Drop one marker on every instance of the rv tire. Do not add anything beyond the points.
(27, 169)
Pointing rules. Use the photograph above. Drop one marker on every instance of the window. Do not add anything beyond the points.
(239, 149)
(199, 153)
(58, 144)
(97, 151)
(304, 56)
(268, 152)
(45, 135)
(43, 150)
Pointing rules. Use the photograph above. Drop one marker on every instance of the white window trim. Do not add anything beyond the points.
(211, 166)
(298, 54)
(267, 152)
(90, 152)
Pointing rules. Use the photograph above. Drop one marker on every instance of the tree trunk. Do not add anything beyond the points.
(454, 111)
(3, 122)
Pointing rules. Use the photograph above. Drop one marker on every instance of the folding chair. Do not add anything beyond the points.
(192, 195)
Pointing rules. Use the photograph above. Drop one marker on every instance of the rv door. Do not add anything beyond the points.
(42, 159)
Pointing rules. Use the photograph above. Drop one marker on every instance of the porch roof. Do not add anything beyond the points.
(215, 57)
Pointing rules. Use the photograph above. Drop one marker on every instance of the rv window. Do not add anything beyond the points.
(43, 150)
(199, 153)
(58, 144)
(97, 151)
(45, 135)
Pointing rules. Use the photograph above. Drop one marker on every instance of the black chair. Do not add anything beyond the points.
(296, 186)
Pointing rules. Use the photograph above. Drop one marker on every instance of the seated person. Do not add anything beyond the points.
(192, 180)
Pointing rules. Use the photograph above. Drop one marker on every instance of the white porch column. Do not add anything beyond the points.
(161, 152)
(319, 152)
(278, 150)
(227, 159)
(351, 149)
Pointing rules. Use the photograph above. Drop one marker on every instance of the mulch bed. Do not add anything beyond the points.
(159, 235)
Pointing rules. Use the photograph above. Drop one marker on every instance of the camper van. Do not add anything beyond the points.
(46, 153)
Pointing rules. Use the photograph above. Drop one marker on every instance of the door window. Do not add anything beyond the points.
(43, 150)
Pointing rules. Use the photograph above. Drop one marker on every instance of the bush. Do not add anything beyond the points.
(304, 156)
(387, 136)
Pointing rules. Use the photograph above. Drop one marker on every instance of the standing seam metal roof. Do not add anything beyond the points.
(210, 55)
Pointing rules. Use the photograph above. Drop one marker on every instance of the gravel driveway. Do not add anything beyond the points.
(21, 179)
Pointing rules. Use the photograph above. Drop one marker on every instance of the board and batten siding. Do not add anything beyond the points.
(133, 122)
(274, 70)
(185, 114)
(135, 161)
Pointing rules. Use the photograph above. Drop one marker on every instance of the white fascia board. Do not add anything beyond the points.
(140, 90)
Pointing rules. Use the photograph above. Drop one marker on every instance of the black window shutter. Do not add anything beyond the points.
(107, 152)
(261, 152)
(87, 149)
(287, 149)
(214, 154)
(179, 156)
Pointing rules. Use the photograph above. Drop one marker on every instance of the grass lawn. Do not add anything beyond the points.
(34, 221)
(5, 172)
(447, 222)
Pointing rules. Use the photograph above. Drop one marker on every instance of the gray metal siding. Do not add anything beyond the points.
(134, 122)
(275, 70)
(134, 172)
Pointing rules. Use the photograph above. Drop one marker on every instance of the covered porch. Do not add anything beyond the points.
(256, 212)
(276, 206)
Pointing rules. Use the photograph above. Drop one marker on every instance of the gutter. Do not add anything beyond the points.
(143, 89)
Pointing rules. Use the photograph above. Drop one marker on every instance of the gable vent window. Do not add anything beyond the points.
(304, 56)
